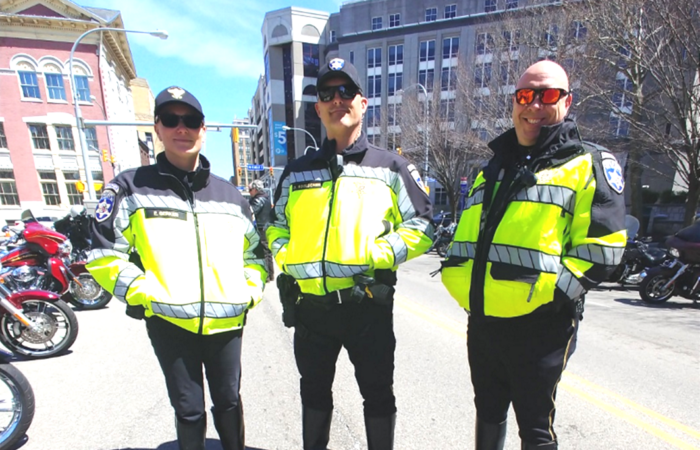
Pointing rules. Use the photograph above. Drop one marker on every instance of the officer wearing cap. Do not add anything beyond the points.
(544, 223)
(370, 213)
(261, 207)
(178, 245)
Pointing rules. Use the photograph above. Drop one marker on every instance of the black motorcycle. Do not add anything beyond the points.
(680, 274)
(16, 404)
(443, 237)
(639, 256)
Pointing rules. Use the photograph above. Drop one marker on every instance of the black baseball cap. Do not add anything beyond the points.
(340, 68)
(176, 94)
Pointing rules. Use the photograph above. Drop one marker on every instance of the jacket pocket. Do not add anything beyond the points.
(456, 280)
(509, 272)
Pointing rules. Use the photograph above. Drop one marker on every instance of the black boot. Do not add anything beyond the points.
(229, 424)
(193, 435)
(547, 446)
(380, 432)
(490, 436)
(316, 428)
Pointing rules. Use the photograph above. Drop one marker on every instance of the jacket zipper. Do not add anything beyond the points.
(328, 225)
(190, 200)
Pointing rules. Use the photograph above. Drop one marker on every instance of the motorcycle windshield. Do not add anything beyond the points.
(690, 234)
(632, 226)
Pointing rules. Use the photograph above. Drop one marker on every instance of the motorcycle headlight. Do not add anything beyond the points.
(674, 252)
(65, 248)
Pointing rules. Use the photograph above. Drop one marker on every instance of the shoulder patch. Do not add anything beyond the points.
(416, 177)
(105, 206)
(613, 172)
(112, 187)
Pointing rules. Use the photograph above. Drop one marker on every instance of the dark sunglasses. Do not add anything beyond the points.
(548, 96)
(191, 121)
(346, 91)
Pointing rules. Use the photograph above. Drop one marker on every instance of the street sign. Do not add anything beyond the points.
(255, 167)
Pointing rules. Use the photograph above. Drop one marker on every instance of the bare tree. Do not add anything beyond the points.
(642, 60)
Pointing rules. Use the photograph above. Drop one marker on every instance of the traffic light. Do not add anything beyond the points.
(105, 155)
(399, 151)
(272, 171)
(239, 171)
(235, 135)
(113, 159)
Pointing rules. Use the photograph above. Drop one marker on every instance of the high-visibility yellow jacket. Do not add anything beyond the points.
(200, 268)
(335, 219)
(537, 241)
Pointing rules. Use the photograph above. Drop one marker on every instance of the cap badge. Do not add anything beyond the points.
(177, 93)
(336, 64)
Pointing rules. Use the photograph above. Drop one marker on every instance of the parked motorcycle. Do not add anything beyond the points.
(680, 274)
(443, 237)
(36, 323)
(85, 292)
(16, 404)
(45, 259)
(637, 257)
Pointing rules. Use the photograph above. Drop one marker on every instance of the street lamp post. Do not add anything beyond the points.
(78, 117)
(286, 128)
(426, 131)
(104, 114)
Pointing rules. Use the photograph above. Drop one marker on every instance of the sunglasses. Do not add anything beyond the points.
(548, 96)
(346, 91)
(191, 121)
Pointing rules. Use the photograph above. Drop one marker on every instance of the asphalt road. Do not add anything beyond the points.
(633, 383)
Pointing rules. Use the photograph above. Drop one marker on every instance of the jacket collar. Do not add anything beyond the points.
(559, 141)
(196, 180)
(328, 148)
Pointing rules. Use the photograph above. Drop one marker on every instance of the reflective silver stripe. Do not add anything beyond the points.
(334, 270)
(259, 262)
(124, 280)
(523, 257)
(176, 311)
(567, 282)
(251, 234)
(383, 174)
(138, 201)
(309, 175)
(598, 254)
(212, 207)
(419, 224)
(224, 310)
(462, 249)
(398, 246)
(277, 245)
(103, 253)
(475, 199)
(561, 196)
(191, 311)
(305, 271)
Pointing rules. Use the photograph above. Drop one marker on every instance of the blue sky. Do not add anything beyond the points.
(214, 50)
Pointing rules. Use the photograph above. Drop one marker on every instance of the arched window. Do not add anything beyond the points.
(279, 31)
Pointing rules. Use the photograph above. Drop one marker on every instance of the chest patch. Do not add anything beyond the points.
(105, 206)
(307, 185)
(613, 173)
(156, 213)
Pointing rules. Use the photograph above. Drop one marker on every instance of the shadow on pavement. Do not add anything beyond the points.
(681, 304)
(212, 444)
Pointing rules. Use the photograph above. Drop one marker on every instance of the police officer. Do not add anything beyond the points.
(262, 210)
(543, 224)
(178, 245)
(345, 217)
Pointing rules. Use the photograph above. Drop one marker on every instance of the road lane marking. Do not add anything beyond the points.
(459, 329)
(670, 422)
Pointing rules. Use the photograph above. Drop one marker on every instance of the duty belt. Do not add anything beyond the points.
(364, 287)
(332, 298)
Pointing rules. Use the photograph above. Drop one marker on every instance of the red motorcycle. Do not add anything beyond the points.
(43, 260)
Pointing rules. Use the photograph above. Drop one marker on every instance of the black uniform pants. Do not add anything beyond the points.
(366, 331)
(520, 361)
(182, 354)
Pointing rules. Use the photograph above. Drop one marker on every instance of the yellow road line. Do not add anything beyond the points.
(459, 329)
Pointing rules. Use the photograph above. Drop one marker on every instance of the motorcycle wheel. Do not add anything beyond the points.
(56, 329)
(651, 288)
(16, 406)
(442, 249)
(88, 296)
